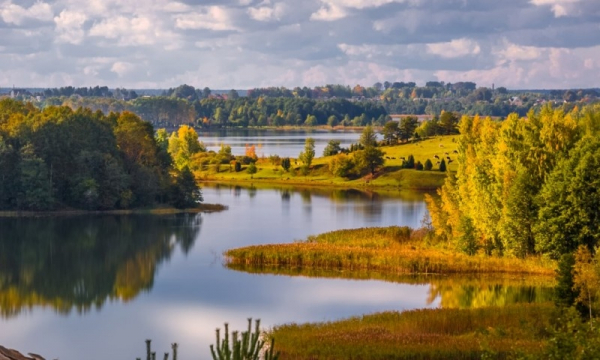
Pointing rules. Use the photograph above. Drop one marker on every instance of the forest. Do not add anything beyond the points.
(331, 105)
(58, 158)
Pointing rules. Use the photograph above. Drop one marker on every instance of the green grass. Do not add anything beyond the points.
(390, 176)
(496, 332)
(396, 250)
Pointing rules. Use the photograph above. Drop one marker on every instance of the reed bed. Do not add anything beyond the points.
(393, 250)
(495, 332)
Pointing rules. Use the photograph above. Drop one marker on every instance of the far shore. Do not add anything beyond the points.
(202, 208)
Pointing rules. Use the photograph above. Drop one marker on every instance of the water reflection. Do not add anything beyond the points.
(81, 262)
(447, 291)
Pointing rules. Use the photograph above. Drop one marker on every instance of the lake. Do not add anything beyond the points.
(285, 143)
(97, 287)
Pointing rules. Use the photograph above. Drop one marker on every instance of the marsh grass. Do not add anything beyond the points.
(498, 332)
(392, 250)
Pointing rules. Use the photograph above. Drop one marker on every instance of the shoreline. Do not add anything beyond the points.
(203, 208)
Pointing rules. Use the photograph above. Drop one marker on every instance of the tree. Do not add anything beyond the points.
(409, 163)
(332, 148)
(184, 191)
(448, 122)
(252, 169)
(407, 127)
(308, 154)
(443, 165)
(390, 132)
(428, 165)
(341, 165)
(286, 164)
(419, 166)
(570, 212)
(233, 94)
(183, 144)
(368, 137)
(332, 121)
(369, 159)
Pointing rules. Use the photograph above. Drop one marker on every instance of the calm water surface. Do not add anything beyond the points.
(97, 287)
(285, 143)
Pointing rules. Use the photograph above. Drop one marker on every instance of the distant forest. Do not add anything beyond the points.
(322, 105)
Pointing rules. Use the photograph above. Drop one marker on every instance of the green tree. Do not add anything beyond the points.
(448, 122)
(390, 132)
(332, 148)
(369, 159)
(332, 121)
(428, 165)
(569, 214)
(251, 169)
(407, 127)
(443, 165)
(185, 191)
(308, 154)
(368, 137)
(341, 165)
(286, 164)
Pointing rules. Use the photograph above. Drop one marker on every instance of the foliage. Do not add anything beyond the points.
(251, 169)
(419, 166)
(308, 154)
(443, 166)
(341, 165)
(428, 165)
(248, 346)
(368, 159)
(390, 132)
(286, 164)
(332, 148)
(527, 186)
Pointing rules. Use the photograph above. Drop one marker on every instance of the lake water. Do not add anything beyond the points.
(97, 287)
(285, 143)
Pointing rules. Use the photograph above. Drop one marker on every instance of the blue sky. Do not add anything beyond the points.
(254, 43)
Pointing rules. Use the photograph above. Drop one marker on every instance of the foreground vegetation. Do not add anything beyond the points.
(396, 250)
(495, 332)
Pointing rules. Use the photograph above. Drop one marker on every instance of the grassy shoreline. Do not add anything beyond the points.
(202, 208)
(491, 332)
(393, 250)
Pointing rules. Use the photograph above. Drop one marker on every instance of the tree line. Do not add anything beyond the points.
(59, 158)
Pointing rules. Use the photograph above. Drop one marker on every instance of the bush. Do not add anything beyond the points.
(443, 166)
(419, 166)
(237, 166)
(409, 163)
(341, 165)
(428, 165)
(251, 169)
(286, 164)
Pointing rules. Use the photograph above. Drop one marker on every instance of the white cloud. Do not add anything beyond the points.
(122, 68)
(455, 48)
(559, 7)
(134, 31)
(69, 27)
(512, 52)
(329, 12)
(215, 18)
(15, 14)
(265, 13)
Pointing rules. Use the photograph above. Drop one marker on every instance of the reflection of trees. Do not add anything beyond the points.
(475, 293)
(80, 262)
(457, 291)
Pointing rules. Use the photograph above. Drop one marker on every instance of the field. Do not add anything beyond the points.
(391, 175)
(393, 250)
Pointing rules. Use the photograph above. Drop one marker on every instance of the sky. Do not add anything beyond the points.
(242, 44)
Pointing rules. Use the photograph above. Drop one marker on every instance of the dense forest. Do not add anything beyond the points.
(524, 186)
(59, 158)
(321, 105)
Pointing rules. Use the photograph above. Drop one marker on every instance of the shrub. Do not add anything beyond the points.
(419, 166)
(428, 165)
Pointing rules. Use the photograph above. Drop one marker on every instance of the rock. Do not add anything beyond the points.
(10, 354)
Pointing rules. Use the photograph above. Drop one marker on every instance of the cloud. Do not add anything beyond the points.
(15, 14)
(265, 13)
(69, 27)
(214, 18)
(249, 43)
(454, 48)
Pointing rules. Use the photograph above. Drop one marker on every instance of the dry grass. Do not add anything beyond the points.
(391, 250)
(498, 332)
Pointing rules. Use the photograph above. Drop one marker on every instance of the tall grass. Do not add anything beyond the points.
(392, 250)
(496, 332)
